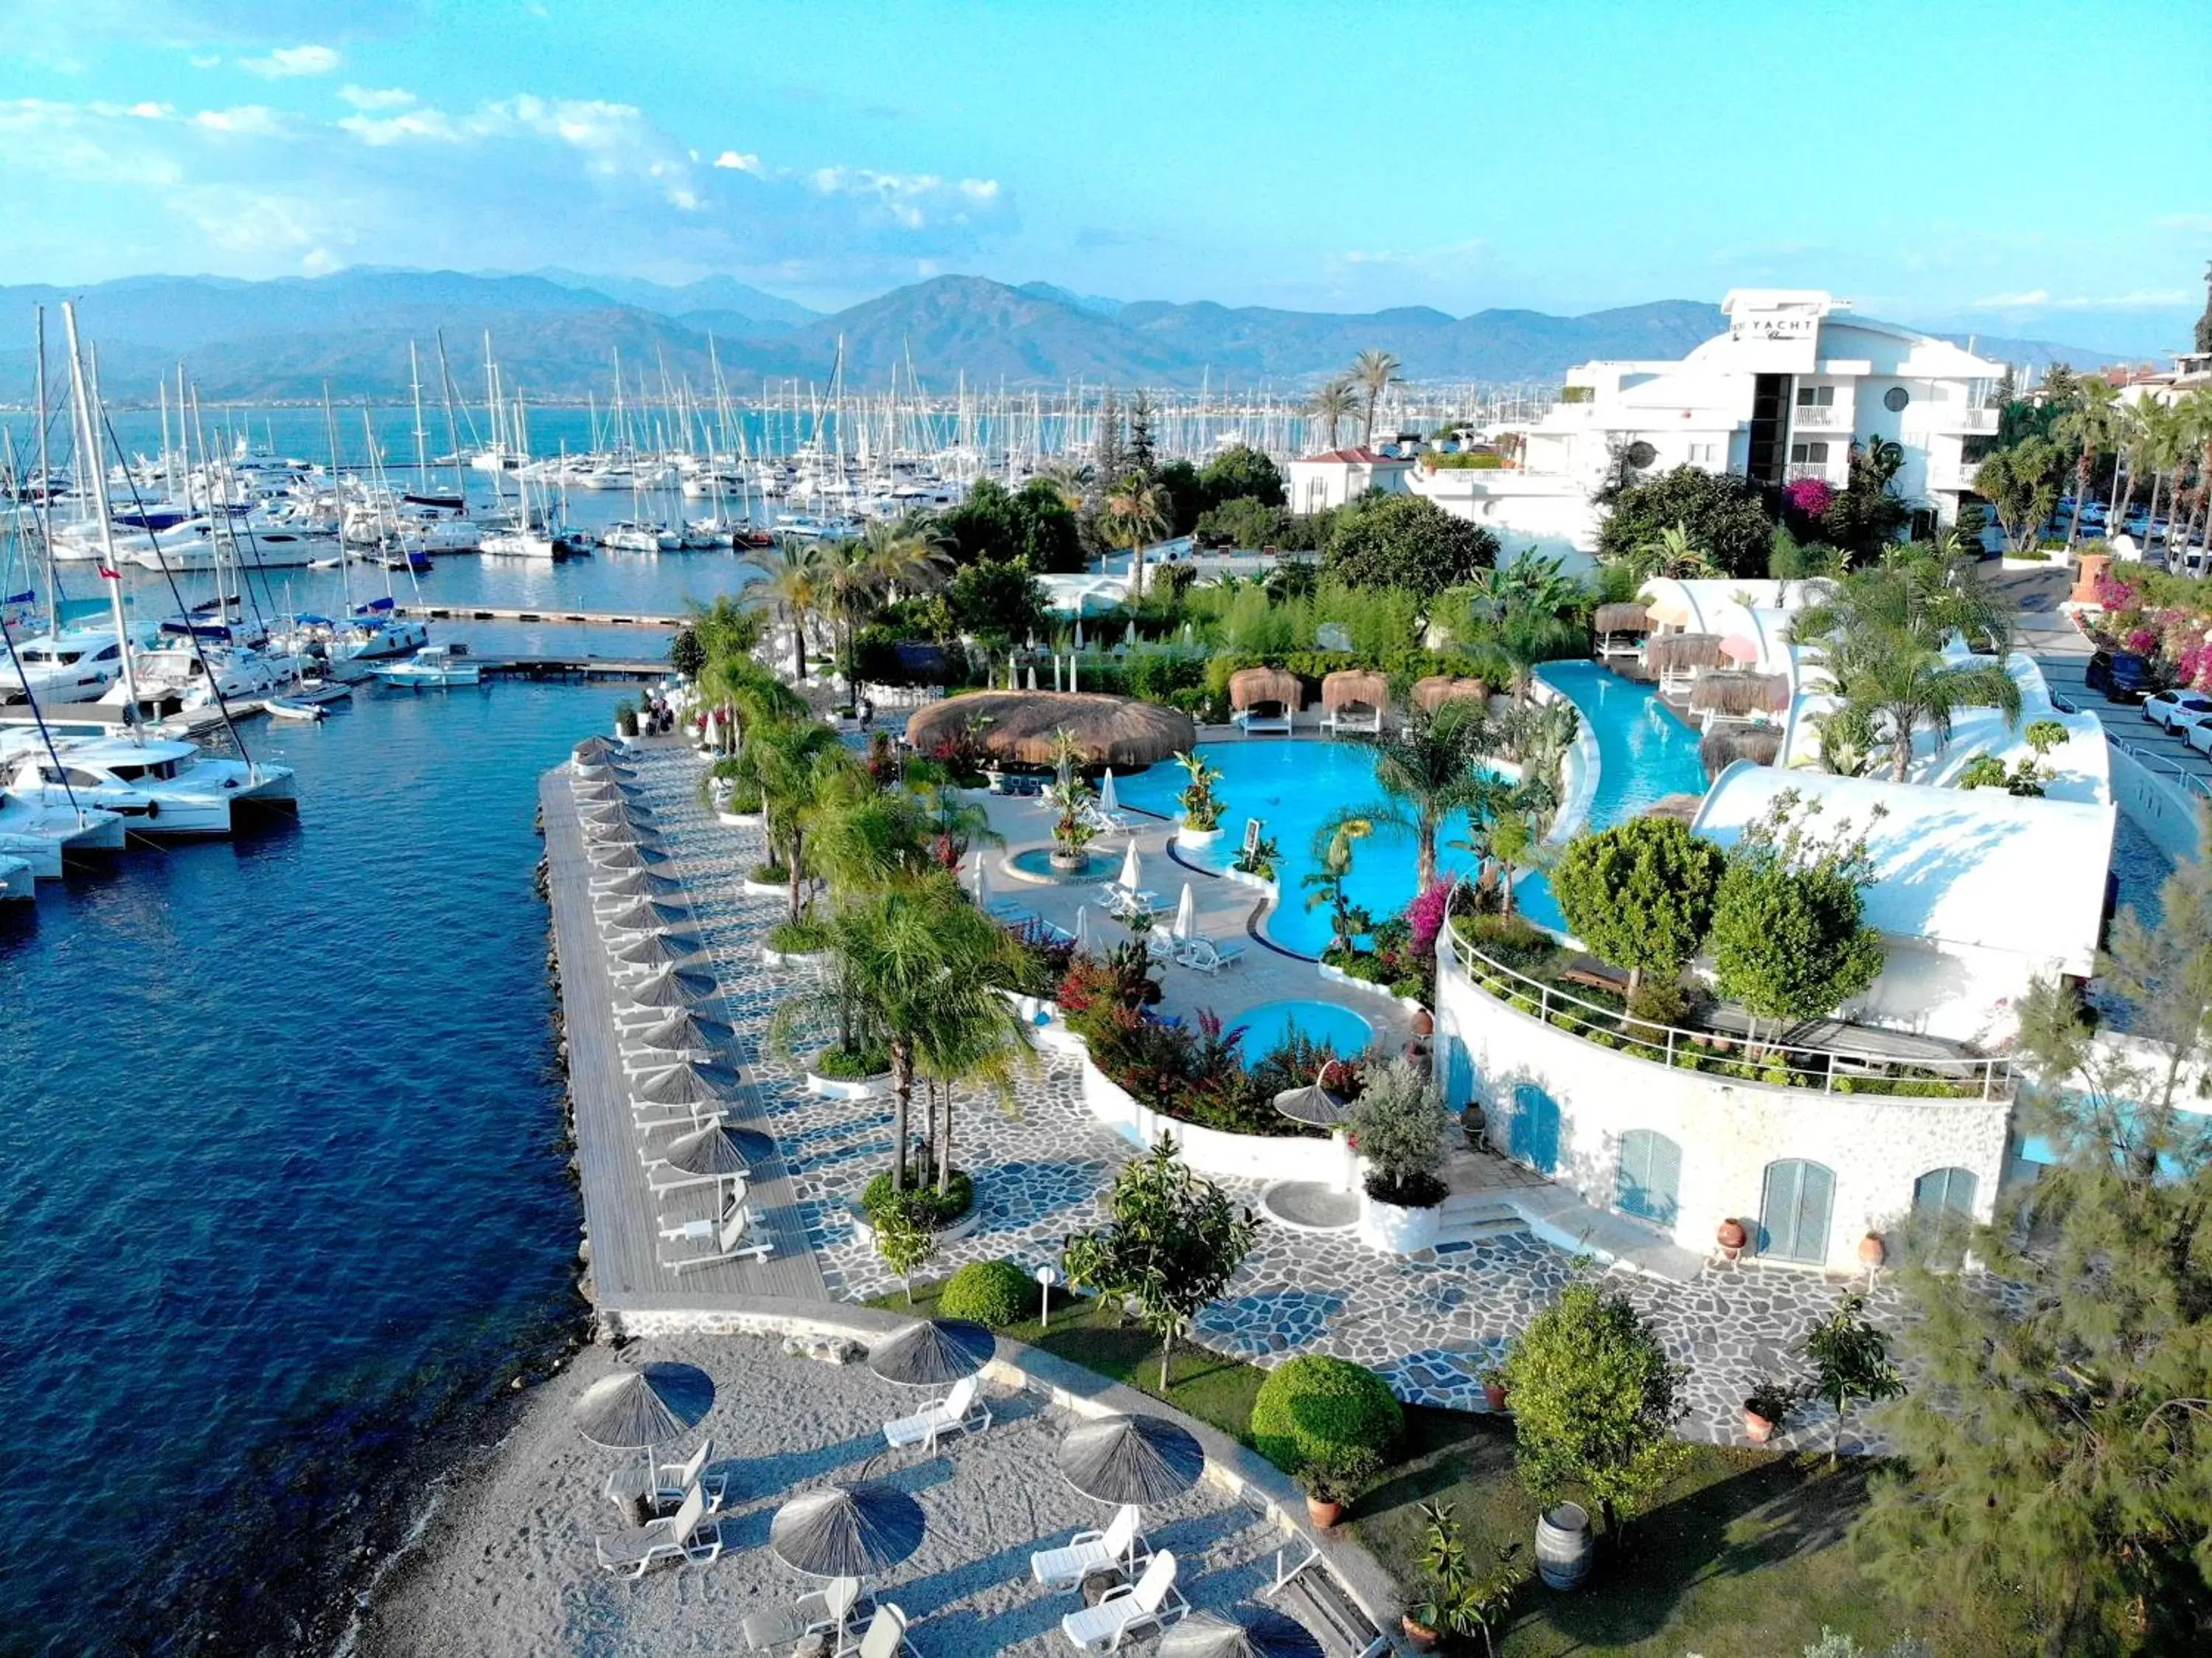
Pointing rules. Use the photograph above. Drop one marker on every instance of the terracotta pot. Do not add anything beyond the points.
(1871, 1251)
(1756, 1427)
(1423, 1638)
(1323, 1514)
(1424, 1022)
(1494, 1392)
(1732, 1236)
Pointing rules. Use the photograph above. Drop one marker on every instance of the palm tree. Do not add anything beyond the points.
(1375, 373)
(1136, 516)
(1429, 769)
(1331, 405)
(751, 694)
(2195, 411)
(2163, 438)
(794, 587)
(796, 764)
(1071, 481)
(909, 551)
(2093, 426)
(1671, 553)
(1902, 688)
(846, 579)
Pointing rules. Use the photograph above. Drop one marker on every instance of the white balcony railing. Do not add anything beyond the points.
(1828, 472)
(1814, 418)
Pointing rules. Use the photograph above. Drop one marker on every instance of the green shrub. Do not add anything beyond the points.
(798, 937)
(1157, 675)
(849, 1065)
(1315, 1408)
(770, 873)
(958, 1199)
(996, 1293)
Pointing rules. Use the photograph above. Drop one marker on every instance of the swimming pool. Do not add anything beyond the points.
(1270, 1024)
(1645, 754)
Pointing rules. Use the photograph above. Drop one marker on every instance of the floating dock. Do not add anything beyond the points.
(565, 618)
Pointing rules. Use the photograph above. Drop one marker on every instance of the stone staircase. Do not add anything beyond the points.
(1467, 1218)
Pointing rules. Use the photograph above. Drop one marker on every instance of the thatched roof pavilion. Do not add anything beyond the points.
(1020, 725)
(1683, 808)
(1436, 689)
(1355, 687)
(1255, 687)
(1720, 749)
(1683, 653)
(1621, 618)
(1738, 696)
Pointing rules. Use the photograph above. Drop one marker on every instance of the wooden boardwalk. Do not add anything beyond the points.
(620, 1214)
(567, 618)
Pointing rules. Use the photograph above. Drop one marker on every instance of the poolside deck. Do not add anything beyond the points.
(620, 1214)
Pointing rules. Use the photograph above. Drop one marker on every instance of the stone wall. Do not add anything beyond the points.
(1728, 1130)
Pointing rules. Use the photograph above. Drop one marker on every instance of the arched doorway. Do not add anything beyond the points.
(1649, 1179)
(1535, 1139)
(1794, 1210)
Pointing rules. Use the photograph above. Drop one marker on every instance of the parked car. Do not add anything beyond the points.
(2093, 515)
(2122, 675)
(2176, 709)
(2199, 737)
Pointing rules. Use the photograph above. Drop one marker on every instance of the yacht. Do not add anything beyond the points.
(195, 661)
(523, 544)
(42, 827)
(433, 667)
(155, 785)
(628, 536)
(76, 666)
(347, 648)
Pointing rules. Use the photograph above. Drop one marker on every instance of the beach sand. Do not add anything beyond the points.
(505, 1566)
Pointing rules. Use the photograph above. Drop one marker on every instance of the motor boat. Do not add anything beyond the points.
(432, 668)
(628, 537)
(76, 666)
(520, 543)
(42, 827)
(155, 785)
(196, 663)
(16, 878)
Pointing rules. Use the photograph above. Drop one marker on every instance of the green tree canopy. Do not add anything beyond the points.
(1595, 1399)
(1788, 936)
(2022, 482)
(1182, 496)
(1036, 524)
(1720, 515)
(1243, 472)
(1639, 893)
(1000, 603)
(1406, 541)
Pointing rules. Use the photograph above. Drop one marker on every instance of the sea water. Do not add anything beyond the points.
(282, 1192)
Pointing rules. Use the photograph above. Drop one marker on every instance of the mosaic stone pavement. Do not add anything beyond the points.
(1042, 1166)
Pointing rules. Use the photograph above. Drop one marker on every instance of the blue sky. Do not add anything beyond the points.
(2014, 167)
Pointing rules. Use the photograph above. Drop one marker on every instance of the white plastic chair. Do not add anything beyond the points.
(687, 1534)
(1150, 1604)
(1090, 1551)
(961, 1410)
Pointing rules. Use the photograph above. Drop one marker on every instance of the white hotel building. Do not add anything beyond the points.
(1782, 395)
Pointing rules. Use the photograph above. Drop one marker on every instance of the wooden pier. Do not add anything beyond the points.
(563, 617)
(620, 1214)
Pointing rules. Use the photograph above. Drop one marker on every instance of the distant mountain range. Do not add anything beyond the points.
(555, 332)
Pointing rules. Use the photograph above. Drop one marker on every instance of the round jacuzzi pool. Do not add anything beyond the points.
(1037, 864)
(1267, 1025)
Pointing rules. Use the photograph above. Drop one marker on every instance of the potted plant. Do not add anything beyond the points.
(626, 719)
(1202, 811)
(1258, 859)
(1073, 828)
(1493, 1387)
(1334, 1478)
(1731, 1237)
(1399, 1125)
(1764, 1409)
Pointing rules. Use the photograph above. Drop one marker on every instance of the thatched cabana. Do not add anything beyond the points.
(1677, 658)
(1759, 744)
(1732, 695)
(1355, 699)
(1262, 687)
(1682, 808)
(1622, 618)
(1020, 725)
(1436, 689)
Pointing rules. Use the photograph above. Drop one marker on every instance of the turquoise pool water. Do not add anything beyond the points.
(1269, 1025)
(1645, 754)
(1037, 863)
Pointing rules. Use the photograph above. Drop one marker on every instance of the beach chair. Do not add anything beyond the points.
(885, 1636)
(1203, 955)
(713, 1241)
(1009, 913)
(1118, 1545)
(661, 1177)
(1105, 822)
(687, 1534)
(961, 1411)
(1146, 1607)
(817, 1613)
(669, 1482)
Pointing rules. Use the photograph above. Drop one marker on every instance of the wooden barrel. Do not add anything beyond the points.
(1563, 1545)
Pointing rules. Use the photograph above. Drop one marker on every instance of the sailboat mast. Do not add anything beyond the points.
(88, 445)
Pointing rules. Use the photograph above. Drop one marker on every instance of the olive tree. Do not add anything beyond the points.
(1639, 893)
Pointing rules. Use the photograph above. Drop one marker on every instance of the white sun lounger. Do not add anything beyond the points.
(661, 1177)
(961, 1410)
(1204, 955)
(715, 1241)
(1150, 1604)
(818, 1613)
(1118, 1545)
(672, 1482)
(1122, 900)
(885, 1636)
(687, 1534)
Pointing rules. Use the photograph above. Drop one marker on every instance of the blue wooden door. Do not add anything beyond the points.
(1535, 1139)
(1649, 1180)
(1944, 1191)
(1792, 1216)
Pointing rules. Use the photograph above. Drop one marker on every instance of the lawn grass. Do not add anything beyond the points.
(1744, 1556)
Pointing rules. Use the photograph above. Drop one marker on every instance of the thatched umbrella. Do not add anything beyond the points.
(633, 855)
(604, 772)
(934, 1352)
(1355, 687)
(1022, 725)
(636, 1410)
(847, 1531)
(658, 949)
(671, 987)
(643, 915)
(614, 814)
(1257, 687)
(606, 792)
(594, 749)
(1621, 618)
(1256, 1632)
(717, 1152)
(1315, 1106)
(688, 1083)
(1131, 1459)
(641, 883)
(682, 1030)
(1737, 695)
(1433, 693)
(1681, 653)
(621, 834)
(1720, 749)
(1683, 808)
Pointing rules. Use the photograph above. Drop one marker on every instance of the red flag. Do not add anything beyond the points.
(107, 575)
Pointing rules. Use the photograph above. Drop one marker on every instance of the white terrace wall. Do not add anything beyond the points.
(1729, 1131)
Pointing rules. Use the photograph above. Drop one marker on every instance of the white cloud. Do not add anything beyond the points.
(732, 161)
(2029, 301)
(2040, 299)
(205, 59)
(286, 62)
(257, 121)
(2198, 224)
(376, 97)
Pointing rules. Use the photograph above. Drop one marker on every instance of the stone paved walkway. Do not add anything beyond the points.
(1041, 1169)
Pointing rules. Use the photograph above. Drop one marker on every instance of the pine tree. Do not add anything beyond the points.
(1143, 458)
(2057, 1440)
(2204, 322)
(1111, 457)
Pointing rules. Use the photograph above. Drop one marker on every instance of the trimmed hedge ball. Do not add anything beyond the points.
(1310, 1406)
(996, 1293)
